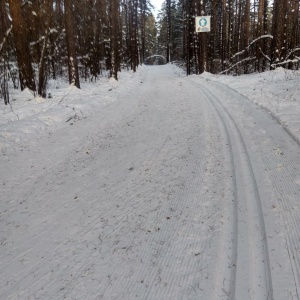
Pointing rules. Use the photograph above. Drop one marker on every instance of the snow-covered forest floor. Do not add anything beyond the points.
(156, 186)
(277, 91)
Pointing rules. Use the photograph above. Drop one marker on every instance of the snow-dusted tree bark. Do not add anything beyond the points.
(134, 34)
(4, 24)
(46, 13)
(212, 45)
(114, 57)
(71, 45)
(279, 43)
(169, 23)
(246, 31)
(224, 38)
(5, 29)
(143, 17)
(203, 43)
(262, 30)
(190, 32)
(293, 32)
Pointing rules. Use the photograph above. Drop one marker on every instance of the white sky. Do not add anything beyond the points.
(157, 4)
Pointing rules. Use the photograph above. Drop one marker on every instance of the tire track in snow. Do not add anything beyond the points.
(249, 266)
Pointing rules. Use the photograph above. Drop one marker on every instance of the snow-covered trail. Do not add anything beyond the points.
(180, 190)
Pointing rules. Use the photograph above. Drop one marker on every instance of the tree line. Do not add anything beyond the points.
(246, 35)
(84, 39)
(78, 39)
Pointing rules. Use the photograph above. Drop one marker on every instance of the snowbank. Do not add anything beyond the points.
(30, 116)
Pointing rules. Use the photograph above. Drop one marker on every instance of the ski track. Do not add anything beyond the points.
(180, 190)
(279, 155)
(249, 265)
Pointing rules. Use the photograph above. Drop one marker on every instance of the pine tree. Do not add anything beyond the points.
(20, 34)
(71, 45)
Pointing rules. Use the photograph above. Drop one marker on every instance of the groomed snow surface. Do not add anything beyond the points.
(156, 186)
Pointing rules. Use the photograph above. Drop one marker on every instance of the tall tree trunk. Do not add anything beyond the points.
(71, 46)
(224, 36)
(230, 28)
(143, 29)
(5, 27)
(246, 31)
(293, 30)
(4, 22)
(104, 35)
(22, 46)
(190, 28)
(260, 31)
(279, 42)
(168, 11)
(203, 44)
(43, 62)
(113, 14)
(213, 37)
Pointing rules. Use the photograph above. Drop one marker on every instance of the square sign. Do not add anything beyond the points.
(203, 24)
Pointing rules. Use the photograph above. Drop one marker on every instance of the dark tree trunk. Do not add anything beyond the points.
(22, 46)
(278, 48)
(168, 10)
(261, 49)
(113, 14)
(71, 46)
(43, 61)
(246, 32)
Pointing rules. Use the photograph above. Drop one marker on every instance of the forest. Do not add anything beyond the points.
(80, 40)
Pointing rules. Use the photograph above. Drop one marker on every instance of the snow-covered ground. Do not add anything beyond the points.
(158, 186)
(276, 91)
(30, 116)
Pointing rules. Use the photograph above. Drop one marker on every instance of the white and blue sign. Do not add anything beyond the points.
(203, 24)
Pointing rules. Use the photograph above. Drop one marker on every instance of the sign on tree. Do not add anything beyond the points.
(202, 24)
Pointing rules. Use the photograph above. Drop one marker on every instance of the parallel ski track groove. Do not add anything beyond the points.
(282, 188)
(221, 110)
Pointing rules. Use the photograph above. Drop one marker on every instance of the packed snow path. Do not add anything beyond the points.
(182, 189)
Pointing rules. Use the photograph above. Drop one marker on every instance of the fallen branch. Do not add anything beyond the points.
(238, 63)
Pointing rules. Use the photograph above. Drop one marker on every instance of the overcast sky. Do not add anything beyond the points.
(157, 4)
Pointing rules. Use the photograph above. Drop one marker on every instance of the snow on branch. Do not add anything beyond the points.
(264, 55)
(253, 42)
(26, 2)
(155, 56)
(5, 37)
(42, 38)
(38, 41)
(292, 51)
(238, 63)
(293, 61)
